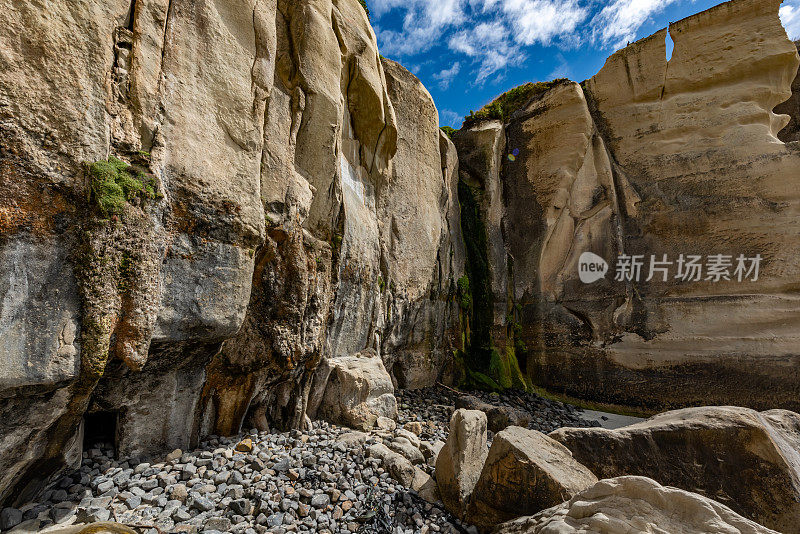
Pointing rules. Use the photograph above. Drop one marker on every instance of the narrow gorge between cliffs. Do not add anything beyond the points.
(248, 284)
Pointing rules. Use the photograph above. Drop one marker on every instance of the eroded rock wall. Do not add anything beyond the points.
(791, 132)
(266, 132)
(422, 253)
(95, 80)
(652, 157)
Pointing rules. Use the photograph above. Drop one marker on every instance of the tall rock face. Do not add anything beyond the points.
(481, 151)
(422, 253)
(652, 160)
(138, 281)
(196, 203)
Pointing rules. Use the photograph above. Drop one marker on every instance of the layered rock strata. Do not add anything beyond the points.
(652, 160)
(197, 208)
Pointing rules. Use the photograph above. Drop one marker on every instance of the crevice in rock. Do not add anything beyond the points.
(619, 201)
(670, 44)
(131, 16)
(791, 107)
(165, 38)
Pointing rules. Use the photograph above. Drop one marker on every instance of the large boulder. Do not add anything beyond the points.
(635, 504)
(398, 466)
(524, 473)
(359, 390)
(497, 417)
(744, 459)
(461, 460)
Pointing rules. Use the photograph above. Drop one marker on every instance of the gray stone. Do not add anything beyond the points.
(93, 514)
(58, 514)
(133, 501)
(181, 514)
(241, 506)
(222, 524)
(202, 504)
(320, 500)
(9, 518)
(275, 520)
(149, 484)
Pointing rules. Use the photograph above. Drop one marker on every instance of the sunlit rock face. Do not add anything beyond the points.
(744, 459)
(421, 247)
(655, 157)
(174, 267)
(612, 505)
(268, 242)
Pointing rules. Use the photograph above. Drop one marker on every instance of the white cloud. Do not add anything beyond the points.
(790, 17)
(449, 118)
(540, 21)
(495, 33)
(618, 22)
(423, 23)
(489, 45)
(491, 32)
(461, 42)
(446, 76)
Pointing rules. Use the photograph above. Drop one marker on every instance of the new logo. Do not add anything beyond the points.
(591, 267)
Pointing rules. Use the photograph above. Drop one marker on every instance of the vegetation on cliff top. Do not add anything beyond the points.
(448, 131)
(502, 107)
(366, 9)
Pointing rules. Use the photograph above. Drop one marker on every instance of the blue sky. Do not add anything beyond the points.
(466, 52)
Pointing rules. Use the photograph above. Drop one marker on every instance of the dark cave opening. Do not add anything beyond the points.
(99, 428)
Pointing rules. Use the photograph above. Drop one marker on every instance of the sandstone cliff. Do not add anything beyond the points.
(650, 157)
(212, 214)
(198, 203)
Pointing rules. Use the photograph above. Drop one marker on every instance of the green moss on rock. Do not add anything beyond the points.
(464, 295)
(478, 282)
(114, 182)
(481, 364)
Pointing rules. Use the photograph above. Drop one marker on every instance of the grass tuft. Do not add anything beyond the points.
(502, 107)
(114, 182)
